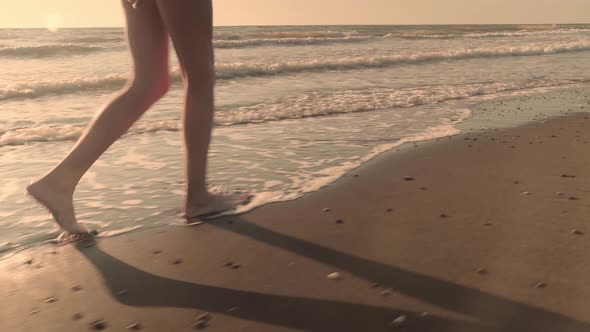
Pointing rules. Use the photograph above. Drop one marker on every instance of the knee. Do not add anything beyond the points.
(149, 89)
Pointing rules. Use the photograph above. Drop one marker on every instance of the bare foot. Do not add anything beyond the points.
(213, 205)
(59, 203)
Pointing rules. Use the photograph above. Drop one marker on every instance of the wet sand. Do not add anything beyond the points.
(485, 231)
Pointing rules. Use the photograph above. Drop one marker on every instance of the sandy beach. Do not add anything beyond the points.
(483, 231)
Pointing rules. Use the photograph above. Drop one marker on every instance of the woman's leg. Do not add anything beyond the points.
(148, 43)
(190, 25)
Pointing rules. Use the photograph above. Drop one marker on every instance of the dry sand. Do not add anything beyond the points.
(485, 231)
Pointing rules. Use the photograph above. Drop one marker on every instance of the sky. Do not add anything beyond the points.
(107, 13)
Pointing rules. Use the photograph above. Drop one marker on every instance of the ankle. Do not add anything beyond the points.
(61, 183)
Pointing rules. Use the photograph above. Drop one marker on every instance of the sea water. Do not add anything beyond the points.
(296, 108)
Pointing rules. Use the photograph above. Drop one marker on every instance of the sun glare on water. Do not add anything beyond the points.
(52, 22)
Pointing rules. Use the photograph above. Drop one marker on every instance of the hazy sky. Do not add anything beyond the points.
(67, 13)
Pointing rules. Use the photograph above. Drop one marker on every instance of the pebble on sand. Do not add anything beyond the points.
(326, 210)
(77, 316)
(340, 221)
(76, 288)
(526, 193)
(123, 292)
(443, 215)
(567, 176)
(334, 276)
(155, 252)
(577, 232)
(573, 198)
(409, 178)
(389, 210)
(483, 271)
(177, 261)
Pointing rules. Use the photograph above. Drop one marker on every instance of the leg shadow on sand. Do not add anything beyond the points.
(494, 313)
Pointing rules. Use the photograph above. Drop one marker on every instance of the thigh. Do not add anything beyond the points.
(147, 39)
(190, 25)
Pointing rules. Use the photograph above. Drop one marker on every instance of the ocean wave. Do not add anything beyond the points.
(95, 39)
(243, 70)
(287, 41)
(495, 34)
(238, 70)
(313, 104)
(301, 34)
(47, 50)
(43, 88)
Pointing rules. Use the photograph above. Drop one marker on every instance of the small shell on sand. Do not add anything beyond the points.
(541, 285)
(134, 327)
(50, 300)
(334, 276)
(326, 210)
(98, 325)
(202, 320)
(200, 325)
(386, 292)
(204, 316)
(399, 322)
(76, 288)
(123, 292)
(526, 193)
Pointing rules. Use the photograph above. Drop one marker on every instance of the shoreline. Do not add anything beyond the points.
(482, 113)
(484, 231)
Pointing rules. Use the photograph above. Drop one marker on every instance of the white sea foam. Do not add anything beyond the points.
(311, 104)
(496, 34)
(241, 70)
(331, 174)
(287, 41)
(47, 50)
(95, 39)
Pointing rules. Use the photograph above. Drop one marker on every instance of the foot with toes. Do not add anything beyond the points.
(59, 201)
(212, 205)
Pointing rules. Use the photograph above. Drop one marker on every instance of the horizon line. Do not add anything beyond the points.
(286, 25)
